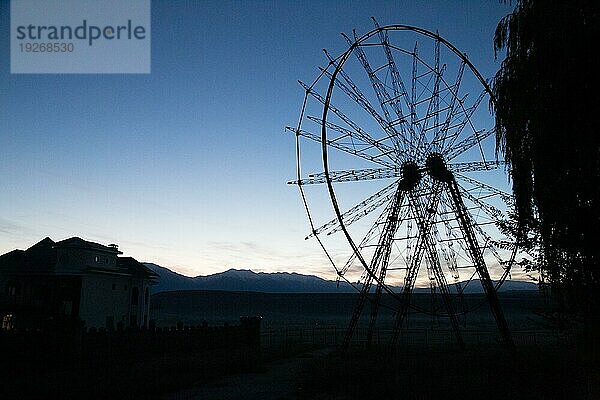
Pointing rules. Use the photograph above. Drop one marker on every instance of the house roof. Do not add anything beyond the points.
(12, 257)
(46, 242)
(42, 258)
(77, 242)
(136, 268)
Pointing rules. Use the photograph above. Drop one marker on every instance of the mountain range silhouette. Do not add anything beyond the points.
(245, 280)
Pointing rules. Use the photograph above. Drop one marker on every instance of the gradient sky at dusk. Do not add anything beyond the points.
(187, 166)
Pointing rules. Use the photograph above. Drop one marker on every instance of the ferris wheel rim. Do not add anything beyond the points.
(344, 57)
(339, 62)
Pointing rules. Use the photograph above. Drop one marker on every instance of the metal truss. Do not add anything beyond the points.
(415, 177)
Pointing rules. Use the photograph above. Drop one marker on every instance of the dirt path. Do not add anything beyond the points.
(280, 381)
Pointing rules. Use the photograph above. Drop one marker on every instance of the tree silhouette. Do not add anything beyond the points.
(546, 94)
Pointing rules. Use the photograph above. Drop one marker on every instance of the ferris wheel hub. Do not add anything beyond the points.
(411, 175)
(437, 168)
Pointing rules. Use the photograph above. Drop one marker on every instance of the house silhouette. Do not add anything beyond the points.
(74, 281)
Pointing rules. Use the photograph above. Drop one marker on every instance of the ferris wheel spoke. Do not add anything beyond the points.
(366, 143)
(448, 209)
(337, 144)
(359, 132)
(506, 198)
(433, 109)
(463, 119)
(494, 215)
(350, 175)
(357, 212)
(354, 92)
(454, 106)
(457, 149)
(398, 87)
(489, 244)
(359, 98)
(376, 228)
(397, 82)
(474, 166)
(492, 244)
(432, 93)
(413, 94)
(492, 212)
(382, 95)
(367, 238)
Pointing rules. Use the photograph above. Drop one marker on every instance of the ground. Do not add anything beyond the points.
(282, 379)
(490, 373)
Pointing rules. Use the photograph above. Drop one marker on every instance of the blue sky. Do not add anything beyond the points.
(187, 166)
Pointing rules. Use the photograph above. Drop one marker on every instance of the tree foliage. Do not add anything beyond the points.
(546, 105)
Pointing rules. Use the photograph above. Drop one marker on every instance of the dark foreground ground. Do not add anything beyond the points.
(300, 359)
(490, 373)
(94, 376)
(298, 356)
(484, 373)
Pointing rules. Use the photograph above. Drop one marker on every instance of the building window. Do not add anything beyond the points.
(133, 321)
(96, 259)
(8, 322)
(13, 289)
(114, 286)
(135, 294)
(64, 259)
(146, 296)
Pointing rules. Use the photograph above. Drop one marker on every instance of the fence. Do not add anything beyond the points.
(40, 348)
(324, 336)
(127, 363)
